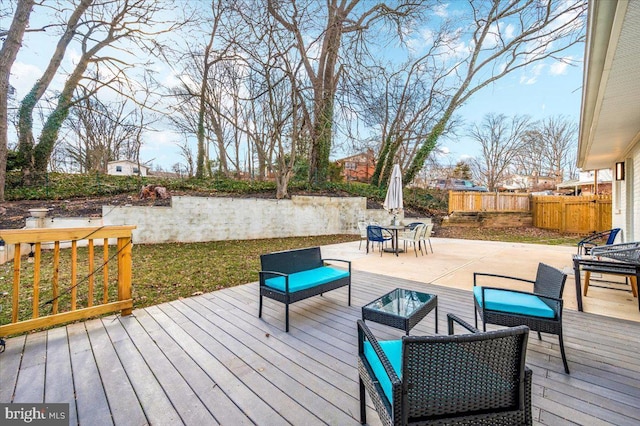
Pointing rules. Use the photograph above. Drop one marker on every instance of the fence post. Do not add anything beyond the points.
(124, 271)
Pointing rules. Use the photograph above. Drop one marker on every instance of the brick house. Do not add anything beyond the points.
(359, 167)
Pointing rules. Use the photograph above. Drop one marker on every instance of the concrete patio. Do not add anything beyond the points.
(454, 261)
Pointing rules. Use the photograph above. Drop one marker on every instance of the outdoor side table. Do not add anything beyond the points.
(401, 309)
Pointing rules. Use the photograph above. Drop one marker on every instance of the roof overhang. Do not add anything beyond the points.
(610, 113)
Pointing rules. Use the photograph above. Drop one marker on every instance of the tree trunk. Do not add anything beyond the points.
(428, 146)
(8, 55)
(26, 140)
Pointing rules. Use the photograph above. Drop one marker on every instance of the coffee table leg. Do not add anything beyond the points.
(436, 319)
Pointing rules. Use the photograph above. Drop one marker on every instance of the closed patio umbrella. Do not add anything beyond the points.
(393, 200)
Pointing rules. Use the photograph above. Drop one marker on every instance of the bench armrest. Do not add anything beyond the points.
(365, 334)
(348, 262)
(276, 273)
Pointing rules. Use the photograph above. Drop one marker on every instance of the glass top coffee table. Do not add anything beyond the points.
(401, 309)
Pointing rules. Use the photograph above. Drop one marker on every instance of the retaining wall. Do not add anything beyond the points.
(193, 219)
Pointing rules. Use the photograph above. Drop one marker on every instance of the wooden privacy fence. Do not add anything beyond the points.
(63, 288)
(488, 201)
(571, 214)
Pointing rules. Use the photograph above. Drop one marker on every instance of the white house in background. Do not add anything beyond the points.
(527, 183)
(610, 112)
(589, 183)
(126, 168)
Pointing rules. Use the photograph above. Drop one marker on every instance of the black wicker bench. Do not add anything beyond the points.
(293, 275)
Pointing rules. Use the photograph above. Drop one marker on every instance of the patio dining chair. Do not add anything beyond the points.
(362, 227)
(594, 240)
(426, 236)
(414, 238)
(473, 378)
(540, 310)
(377, 234)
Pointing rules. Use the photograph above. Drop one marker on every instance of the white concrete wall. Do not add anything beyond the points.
(192, 219)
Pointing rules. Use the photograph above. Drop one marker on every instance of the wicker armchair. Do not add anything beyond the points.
(594, 240)
(540, 310)
(476, 378)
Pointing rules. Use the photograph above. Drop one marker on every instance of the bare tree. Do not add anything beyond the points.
(549, 149)
(26, 139)
(8, 55)
(105, 24)
(530, 160)
(189, 164)
(559, 135)
(102, 132)
(320, 52)
(506, 36)
(403, 103)
(500, 139)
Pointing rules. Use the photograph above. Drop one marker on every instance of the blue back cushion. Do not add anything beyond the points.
(393, 350)
(514, 303)
(307, 279)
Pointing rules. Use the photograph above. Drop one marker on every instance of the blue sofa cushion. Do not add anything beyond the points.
(393, 350)
(514, 303)
(307, 279)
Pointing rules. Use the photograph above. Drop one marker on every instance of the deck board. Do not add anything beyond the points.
(122, 400)
(209, 360)
(91, 400)
(59, 374)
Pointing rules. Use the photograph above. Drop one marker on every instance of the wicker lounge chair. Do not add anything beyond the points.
(540, 310)
(476, 378)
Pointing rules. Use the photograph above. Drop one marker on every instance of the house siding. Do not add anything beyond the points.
(127, 168)
(626, 198)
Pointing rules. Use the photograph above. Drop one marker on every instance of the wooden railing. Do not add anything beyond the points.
(488, 202)
(58, 275)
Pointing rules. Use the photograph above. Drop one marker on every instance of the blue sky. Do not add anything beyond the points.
(541, 90)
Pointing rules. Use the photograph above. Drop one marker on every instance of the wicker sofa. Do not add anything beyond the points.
(293, 275)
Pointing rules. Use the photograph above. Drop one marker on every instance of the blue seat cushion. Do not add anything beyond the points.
(393, 350)
(514, 303)
(307, 279)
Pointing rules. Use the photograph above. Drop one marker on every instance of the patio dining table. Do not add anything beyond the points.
(603, 265)
(394, 241)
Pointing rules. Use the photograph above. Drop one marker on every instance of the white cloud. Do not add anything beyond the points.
(560, 67)
(23, 76)
(161, 147)
(423, 38)
(441, 10)
(531, 77)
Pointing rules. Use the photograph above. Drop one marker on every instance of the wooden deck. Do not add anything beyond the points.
(209, 360)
